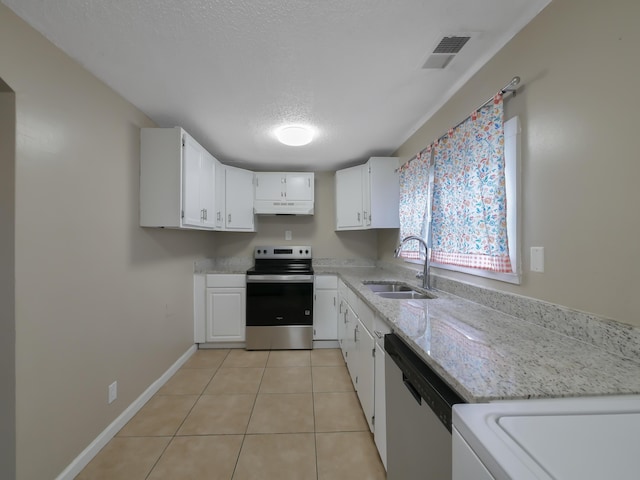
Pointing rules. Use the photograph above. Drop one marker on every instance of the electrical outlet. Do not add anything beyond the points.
(287, 235)
(113, 392)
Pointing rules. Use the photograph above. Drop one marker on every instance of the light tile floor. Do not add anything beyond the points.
(234, 414)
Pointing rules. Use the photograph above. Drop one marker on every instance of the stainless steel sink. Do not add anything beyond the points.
(397, 290)
(410, 295)
(388, 287)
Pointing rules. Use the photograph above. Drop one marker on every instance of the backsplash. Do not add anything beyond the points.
(223, 265)
(614, 337)
(339, 262)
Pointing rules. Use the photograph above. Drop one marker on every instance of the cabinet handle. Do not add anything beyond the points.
(229, 218)
(358, 216)
(334, 301)
(355, 334)
(206, 214)
(309, 182)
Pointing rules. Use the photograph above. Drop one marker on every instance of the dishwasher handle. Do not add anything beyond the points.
(412, 390)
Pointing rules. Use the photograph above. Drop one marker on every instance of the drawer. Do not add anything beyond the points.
(226, 280)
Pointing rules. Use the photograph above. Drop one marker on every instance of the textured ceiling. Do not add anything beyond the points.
(231, 71)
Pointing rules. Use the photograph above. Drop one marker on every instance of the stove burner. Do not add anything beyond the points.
(282, 260)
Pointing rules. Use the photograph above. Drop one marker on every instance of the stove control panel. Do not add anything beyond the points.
(285, 253)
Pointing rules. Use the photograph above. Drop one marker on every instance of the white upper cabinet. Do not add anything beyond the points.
(198, 187)
(284, 193)
(184, 186)
(238, 200)
(367, 196)
(176, 180)
(349, 208)
(220, 196)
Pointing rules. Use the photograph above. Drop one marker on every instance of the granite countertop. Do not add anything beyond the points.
(488, 355)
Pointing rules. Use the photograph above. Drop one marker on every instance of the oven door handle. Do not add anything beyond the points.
(279, 278)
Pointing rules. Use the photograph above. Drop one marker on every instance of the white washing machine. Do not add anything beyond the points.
(555, 439)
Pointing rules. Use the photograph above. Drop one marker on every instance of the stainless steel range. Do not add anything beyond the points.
(280, 299)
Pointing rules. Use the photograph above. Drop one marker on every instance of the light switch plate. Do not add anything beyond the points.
(537, 259)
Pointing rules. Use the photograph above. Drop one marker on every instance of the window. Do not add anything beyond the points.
(473, 214)
(512, 176)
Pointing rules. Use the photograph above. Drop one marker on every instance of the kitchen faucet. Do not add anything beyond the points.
(426, 284)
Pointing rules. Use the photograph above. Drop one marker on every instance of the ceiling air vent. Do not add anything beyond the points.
(445, 51)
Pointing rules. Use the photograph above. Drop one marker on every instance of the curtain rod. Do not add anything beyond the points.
(508, 88)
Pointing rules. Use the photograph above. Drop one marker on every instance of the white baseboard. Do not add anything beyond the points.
(81, 461)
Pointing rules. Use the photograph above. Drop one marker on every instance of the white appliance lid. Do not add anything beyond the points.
(581, 447)
(585, 438)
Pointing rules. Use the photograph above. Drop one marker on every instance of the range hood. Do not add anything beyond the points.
(283, 193)
(283, 207)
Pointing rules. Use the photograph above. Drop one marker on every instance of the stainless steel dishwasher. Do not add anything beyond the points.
(419, 414)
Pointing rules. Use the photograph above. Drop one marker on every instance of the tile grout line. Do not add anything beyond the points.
(172, 437)
(275, 358)
(244, 435)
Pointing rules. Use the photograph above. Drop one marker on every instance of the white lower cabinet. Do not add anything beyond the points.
(225, 308)
(325, 308)
(380, 329)
(349, 343)
(380, 423)
(365, 364)
(342, 318)
(361, 337)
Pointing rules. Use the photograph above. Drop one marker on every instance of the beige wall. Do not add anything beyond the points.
(579, 65)
(7, 283)
(98, 299)
(317, 230)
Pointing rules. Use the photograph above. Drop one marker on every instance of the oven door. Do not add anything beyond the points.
(279, 312)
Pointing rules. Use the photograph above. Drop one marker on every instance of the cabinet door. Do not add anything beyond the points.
(351, 335)
(269, 186)
(365, 345)
(239, 199)
(366, 195)
(349, 198)
(299, 186)
(325, 315)
(342, 325)
(219, 194)
(384, 195)
(192, 155)
(225, 314)
(380, 424)
(207, 189)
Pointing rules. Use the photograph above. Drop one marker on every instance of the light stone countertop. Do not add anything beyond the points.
(488, 355)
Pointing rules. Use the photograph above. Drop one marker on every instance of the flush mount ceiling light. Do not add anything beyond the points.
(294, 135)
